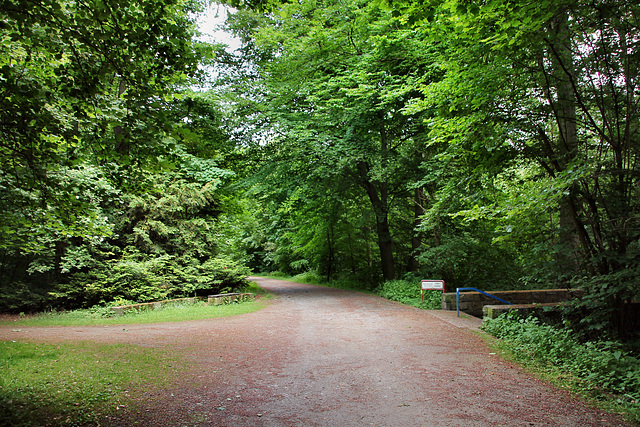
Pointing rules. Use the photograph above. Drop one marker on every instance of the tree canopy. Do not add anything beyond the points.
(492, 144)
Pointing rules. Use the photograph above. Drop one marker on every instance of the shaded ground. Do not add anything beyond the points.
(326, 357)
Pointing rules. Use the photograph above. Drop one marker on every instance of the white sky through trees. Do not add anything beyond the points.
(210, 25)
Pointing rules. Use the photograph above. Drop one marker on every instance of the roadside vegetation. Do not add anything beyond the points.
(84, 383)
(350, 143)
(171, 312)
(605, 372)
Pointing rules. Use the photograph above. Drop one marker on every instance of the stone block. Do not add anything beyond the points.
(472, 302)
(118, 311)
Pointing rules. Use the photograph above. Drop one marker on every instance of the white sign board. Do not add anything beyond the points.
(432, 285)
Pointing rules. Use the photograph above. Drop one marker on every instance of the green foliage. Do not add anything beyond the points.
(82, 84)
(20, 297)
(345, 151)
(494, 145)
(600, 365)
(467, 260)
(142, 278)
(408, 292)
(111, 170)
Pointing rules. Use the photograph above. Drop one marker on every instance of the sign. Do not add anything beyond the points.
(431, 285)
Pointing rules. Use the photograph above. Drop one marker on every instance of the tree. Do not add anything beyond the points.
(558, 82)
(84, 81)
(90, 110)
(333, 84)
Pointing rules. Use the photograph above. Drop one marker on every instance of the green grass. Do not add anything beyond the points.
(74, 383)
(81, 383)
(169, 313)
(177, 312)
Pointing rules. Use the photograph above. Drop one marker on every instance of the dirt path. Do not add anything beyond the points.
(326, 357)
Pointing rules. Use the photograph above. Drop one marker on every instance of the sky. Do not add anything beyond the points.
(209, 23)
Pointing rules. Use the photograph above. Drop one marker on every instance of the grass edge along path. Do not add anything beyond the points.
(75, 383)
(179, 312)
(82, 383)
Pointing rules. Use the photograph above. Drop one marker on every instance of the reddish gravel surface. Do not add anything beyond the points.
(324, 357)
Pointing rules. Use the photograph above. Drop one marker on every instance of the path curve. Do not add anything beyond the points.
(317, 356)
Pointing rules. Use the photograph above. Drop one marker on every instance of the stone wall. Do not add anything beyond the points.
(473, 302)
(149, 305)
(229, 298)
(211, 299)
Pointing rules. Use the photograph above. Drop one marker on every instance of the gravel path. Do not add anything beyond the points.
(325, 357)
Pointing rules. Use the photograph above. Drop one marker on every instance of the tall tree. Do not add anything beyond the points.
(84, 81)
(88, 107)
(560, 82)
(334, 80)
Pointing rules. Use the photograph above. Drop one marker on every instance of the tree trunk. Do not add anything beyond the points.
(416, 241)
(378, 195)
(386, 247)
(562, 75)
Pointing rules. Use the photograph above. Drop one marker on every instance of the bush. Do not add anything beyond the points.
(600, 365)
(408, 293)
(141, 278)
(19, 297)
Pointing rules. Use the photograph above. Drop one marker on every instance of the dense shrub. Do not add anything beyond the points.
(601, 365)
(408, 292)
(22, 298)
(140, 278)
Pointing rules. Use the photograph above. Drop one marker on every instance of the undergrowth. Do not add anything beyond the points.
(407, 292)
(603, 371)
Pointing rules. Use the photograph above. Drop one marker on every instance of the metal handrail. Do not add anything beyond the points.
(477, 290)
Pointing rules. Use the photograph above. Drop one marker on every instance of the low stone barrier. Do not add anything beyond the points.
(211, 299)
(473, 302)
(493, 311)
(221, 299)
(150, 305)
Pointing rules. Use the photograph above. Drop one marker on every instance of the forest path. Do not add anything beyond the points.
(317, 356)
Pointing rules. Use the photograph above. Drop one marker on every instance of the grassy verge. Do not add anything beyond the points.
(178, 312)
(74, 383)
(82, 383)
(603, 373)
(102, 316)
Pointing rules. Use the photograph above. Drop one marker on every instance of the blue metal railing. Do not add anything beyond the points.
(477, 290)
